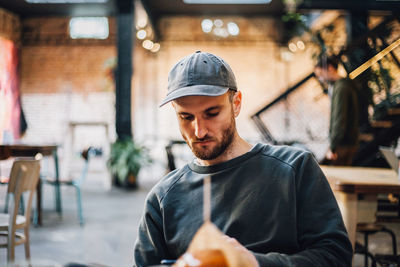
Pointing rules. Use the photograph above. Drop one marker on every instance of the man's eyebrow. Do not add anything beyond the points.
(184, 113)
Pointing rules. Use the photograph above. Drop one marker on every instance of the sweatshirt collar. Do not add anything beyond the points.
(226, 164)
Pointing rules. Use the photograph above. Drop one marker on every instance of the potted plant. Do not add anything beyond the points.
(126, 159)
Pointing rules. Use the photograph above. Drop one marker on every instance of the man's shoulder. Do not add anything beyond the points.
(286, 155)
(167, 183)
(346, 84)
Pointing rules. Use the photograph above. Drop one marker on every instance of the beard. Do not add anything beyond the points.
(210, 154)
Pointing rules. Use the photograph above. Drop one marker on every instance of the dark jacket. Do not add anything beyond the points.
(274, 200)
(344, 122)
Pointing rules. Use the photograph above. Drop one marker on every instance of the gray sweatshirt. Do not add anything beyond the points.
(274, 200)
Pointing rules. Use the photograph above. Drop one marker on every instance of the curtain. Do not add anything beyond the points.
(10, 105)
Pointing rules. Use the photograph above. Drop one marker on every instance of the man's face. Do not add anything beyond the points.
(321, 73)
(207, 123)
(324, 74)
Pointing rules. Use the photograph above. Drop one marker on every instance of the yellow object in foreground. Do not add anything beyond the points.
(209, 241)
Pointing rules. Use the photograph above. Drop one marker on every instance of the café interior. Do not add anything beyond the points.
(80, 87)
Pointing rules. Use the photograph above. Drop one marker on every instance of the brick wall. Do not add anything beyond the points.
(10, 26)
(53, 62)
(61, 68)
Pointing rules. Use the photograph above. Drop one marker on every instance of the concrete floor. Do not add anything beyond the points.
(108, 236)
(106, 239)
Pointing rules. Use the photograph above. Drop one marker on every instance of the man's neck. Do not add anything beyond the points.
(237, 148)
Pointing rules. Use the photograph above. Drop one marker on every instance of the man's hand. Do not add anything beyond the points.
(242, 250)
(331, 155)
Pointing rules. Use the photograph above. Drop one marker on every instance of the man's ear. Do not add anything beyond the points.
(237, 103)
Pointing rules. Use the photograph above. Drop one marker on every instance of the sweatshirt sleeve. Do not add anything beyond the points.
(322, 236)
(150, 247)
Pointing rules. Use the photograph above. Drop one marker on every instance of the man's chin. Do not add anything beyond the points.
(203, 154)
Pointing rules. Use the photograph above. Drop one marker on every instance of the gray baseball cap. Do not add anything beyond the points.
(201, 74)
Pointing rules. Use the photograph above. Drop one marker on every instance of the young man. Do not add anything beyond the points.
(344, 120)
(274, 203)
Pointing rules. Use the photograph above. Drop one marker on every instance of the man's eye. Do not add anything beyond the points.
(212, 114)
(187, 117)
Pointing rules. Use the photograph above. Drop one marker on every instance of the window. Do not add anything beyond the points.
(89, 27)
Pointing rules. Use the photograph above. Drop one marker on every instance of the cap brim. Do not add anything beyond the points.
(201, 90)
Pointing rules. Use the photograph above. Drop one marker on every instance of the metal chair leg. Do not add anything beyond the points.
(6, 204)
(79, 204)
(394, 242)
(39, 204)
(22, 206)
(366, 249)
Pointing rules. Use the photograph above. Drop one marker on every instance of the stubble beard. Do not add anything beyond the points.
(227, 139)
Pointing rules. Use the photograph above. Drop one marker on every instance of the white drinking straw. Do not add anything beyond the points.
(207, 199)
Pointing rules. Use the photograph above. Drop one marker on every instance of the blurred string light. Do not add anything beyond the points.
(207, 25)
(218, 28)
(141, 22)
(300, 45)
(144, 30)
(141, 17)
(233, 29)
(156, 47)
(292, 47)
(218, 23)
(295, 46)
(221, 32)
(141, 34)
(147, 44)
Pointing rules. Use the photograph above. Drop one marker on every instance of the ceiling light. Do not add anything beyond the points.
(292, 47)
(65, 1)
(226, 1)
(301, 45)
(155, 48)
(141, 34)
(286, 56)
(233, 28)
(147, 44)
(218, 23)
(206, 25)
(221, 32)
(141, 22)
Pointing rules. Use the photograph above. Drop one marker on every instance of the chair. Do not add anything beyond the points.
(76, 182)
(360, 249)
(371, 228)
(24, 177)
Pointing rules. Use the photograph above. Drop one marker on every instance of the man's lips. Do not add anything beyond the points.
(205, 142)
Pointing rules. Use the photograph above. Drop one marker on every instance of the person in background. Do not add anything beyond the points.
(273, 203)
(344, 115)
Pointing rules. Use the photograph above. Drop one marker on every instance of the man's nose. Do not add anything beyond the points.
(200, 129)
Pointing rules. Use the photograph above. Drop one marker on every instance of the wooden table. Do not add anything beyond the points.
(348, 183)
(30, 150)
